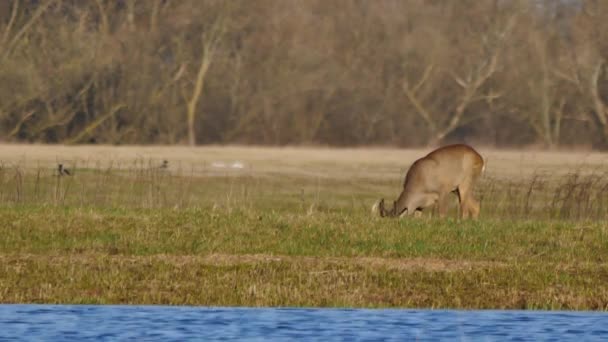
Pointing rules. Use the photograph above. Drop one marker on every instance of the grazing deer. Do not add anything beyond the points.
(453, 168)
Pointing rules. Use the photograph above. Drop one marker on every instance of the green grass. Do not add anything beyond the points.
(205, 257)
(202, 231)
(143, 237)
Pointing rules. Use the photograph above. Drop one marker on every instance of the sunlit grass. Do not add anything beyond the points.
(144, 232)
(140, 234)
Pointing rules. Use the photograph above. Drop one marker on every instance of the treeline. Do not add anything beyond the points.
(339, 72)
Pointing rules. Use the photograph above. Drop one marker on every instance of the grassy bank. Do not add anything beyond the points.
(138, 234)
(205, 257)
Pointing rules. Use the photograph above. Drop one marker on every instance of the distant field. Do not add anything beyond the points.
(292, 227)
(381, 163)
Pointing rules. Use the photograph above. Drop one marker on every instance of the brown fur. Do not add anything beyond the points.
(448, 169)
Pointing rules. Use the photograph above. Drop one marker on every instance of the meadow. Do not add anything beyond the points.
(256, 226)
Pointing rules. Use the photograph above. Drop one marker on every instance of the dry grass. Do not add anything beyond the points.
(380, 163)
(292, 227)
(526, 184)
(103, 279)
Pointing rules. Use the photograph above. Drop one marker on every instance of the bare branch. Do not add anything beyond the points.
(508, 27)
(488, 97)
(565, 77)
(559, 114)
(131, 14)
(154, 16)
(600, 107)
(487, 70)
(424, 78)
(484, 72)
(37, 14)
(458, 80)
(180, 72)
(92, 126)
(419, 107)
(11, 21)
(17, 127)
(105, 27)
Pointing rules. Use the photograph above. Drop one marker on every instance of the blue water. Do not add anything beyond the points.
(166, 323)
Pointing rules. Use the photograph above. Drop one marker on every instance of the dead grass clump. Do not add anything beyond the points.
(573, 196)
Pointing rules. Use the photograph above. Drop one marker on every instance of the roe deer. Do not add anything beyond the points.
(452, 168)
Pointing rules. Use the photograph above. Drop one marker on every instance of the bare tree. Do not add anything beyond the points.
(9, 39)
(539, 90)
(210, 40)
(584, 64)
(304, 72)
(471, 84)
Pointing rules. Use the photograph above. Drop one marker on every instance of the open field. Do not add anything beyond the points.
(292, 227)
(382, 163)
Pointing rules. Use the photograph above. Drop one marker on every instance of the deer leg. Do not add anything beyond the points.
(463, 199)
(469, 207)
(472, 206)
(472, 203)
(442, 205)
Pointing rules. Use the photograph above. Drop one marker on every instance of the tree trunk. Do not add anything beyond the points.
(191, 131)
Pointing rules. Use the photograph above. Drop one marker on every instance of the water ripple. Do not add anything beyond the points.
(167, 323)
